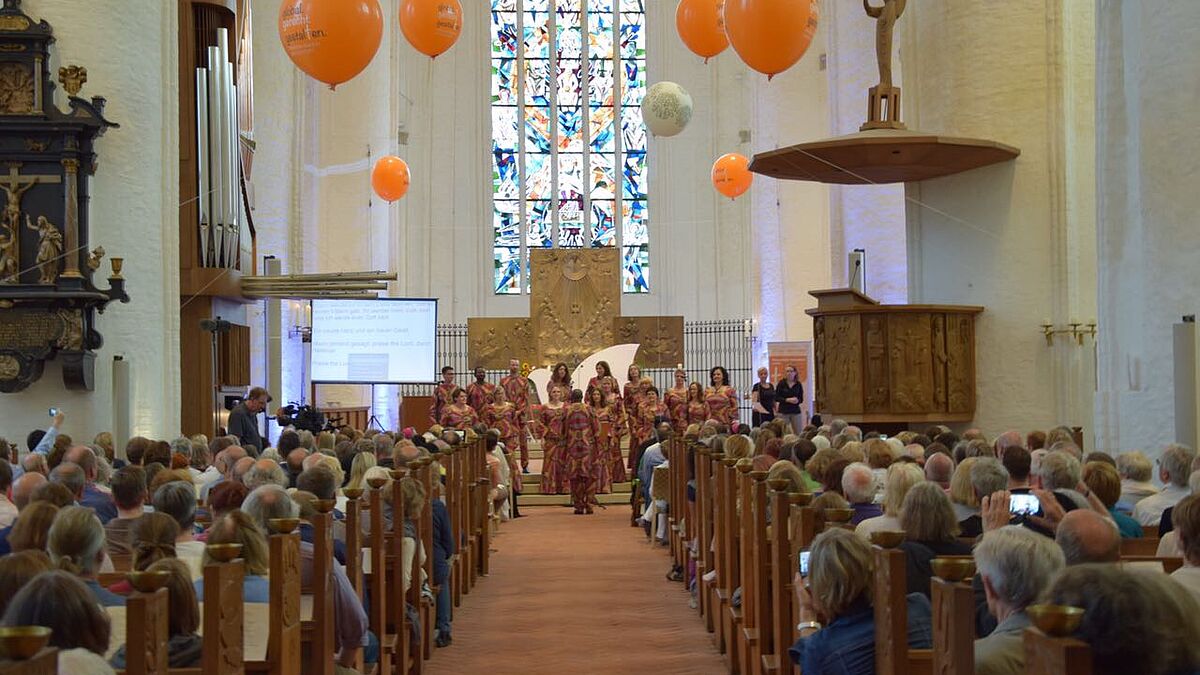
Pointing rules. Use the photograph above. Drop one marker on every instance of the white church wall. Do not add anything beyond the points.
(131, 60)
(1147, 164)
(1011, 237)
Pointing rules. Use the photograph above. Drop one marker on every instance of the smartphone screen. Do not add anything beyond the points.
(804, 563)
(1024, 505)
(54, 412)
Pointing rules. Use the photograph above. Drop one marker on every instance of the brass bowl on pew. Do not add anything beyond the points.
(800, 498)
(377, 482)
(324, 505)
(352, 493)
(839, 515)
(953, 567)
(887, 539)
(1055, 620)
(148, 582)
(778, 484)
(283, 525)
(224, 552)
(23, 642)
(398, 474)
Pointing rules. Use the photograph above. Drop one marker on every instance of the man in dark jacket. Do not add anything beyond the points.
(243, 419)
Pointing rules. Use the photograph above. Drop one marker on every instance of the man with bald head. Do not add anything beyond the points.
(404, 453)
(23, 488)
(33, 463)
(224, 462)
(92, 497)
(1085, 536)
(1006, 440)
(938, 469)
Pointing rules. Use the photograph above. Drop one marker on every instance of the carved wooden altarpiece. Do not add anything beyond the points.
(47, 299)
(575, 303)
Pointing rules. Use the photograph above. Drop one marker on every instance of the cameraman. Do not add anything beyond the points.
(243, 420)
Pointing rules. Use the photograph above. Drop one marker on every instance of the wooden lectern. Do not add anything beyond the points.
(888, 364)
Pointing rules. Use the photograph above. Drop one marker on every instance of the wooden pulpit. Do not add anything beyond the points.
(887, 364)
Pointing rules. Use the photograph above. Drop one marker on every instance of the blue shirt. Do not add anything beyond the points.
(99, 502)
(104, 596)
(254, 589)
(309, 535)
(1129, 528)
(847, 645)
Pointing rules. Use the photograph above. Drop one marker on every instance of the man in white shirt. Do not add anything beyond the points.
(1135, 469)
(1174, 467)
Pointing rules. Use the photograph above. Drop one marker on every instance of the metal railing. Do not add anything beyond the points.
(729, 343)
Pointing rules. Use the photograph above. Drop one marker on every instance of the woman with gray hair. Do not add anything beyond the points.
(932, 530)
(1135, 469)
(1015, 565)
(837, 620)
(900, 478)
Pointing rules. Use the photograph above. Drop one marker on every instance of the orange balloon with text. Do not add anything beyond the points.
(731, 175)
(390, 177)
(770, 36)
(331, 40)
(431, 26)
(701, 26)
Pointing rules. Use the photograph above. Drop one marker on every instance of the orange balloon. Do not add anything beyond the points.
(431, 26)
(331, 40)
(731, 175)
(701, 26)
(390, 177)
(771, 35)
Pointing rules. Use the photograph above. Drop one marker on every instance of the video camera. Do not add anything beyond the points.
(305, 417)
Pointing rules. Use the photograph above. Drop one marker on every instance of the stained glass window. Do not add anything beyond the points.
(568, 142)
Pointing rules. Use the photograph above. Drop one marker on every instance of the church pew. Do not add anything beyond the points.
(892, 655)
(397, 593)
(704, 522)
(1047, 655)
(758, 614)
(484, 483)
(677, 502)
(45, 662)
(1167, 565)
(146, 633)
(454, 505)
(781, 566)
(284, 626)
(953, 626)
(413, 595)
(427, 478)
(747, 539)
(376, 579)
(317, 631)
(355, 549)
(1146, 546)
(732, 574)
(719, 599)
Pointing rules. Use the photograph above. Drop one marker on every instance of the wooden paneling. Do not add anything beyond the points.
(195, 365)
(960, 363)
(233, 357)
(844, 363)
(910, 363)
(414, 412)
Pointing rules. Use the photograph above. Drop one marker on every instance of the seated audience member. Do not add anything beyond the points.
(900, 478)
(358, 470)
(349, 618)
(962, 494)
(1134, 622)
(1168, 545)
(1060, 473)
(32, 530)
(61, 602)
(939, 468)
(858, 487)
(183, 643)
(1104, 482)
(837, 621)
(413, 494)
(70, 476)
(498, 472)
(443, 549)
(18, 569)
(178, 500)
(1186, 518)
(8, 510)
(931, 529)
(1174, 467)
(24, 487)
(1016, 462)
(224, 461)
(153, 539)
(236, 527)
(1006, 440)
(987, 476)
(831, 480)
(225, 497)
(35, 464)
(129, 495)
(1015, 565)
(305, 500)
(265, 472)
(1088, 537)
(92, 496)
(76, 545)
(54, 493)
(1136, 484)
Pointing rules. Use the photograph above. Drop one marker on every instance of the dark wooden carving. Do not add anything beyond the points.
(47, 297)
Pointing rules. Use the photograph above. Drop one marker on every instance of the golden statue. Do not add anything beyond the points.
(885, 22)
(50, 246)
(10, 231)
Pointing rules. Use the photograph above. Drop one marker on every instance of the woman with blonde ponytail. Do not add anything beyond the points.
(76, 543)
(153, 538)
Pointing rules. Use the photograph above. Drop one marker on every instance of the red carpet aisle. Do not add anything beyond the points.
(577, 595)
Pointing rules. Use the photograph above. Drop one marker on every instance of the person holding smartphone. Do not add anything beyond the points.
(834, 585)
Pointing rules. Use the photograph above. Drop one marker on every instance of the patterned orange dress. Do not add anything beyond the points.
(479, 396)
(516, 390)
(504, 417)
(649, 410)
(454, 417)
(553, 462)
(602, 470)
(676, 402)
(441, 400)
(722, 403)
(581, 429)
(697, 412)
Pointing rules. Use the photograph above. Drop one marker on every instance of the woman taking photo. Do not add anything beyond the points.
(721, 397)
(676, 400)
(762, 399)
(837, 620)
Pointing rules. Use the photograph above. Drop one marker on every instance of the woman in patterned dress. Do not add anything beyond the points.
(720, 397)
(601, 467)
(632, 395)
(561, 377)
(651, 408)
(503, 416)
(620, 427)
(551, 423)
(602, 371)
(697, 409)
(676, 401)
(639, 428)
(459, 415)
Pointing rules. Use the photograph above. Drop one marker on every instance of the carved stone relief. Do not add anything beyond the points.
(877, 362)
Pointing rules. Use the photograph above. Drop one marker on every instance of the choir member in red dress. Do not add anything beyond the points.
(602, 371)
(459, 415)
(697, 409)
(581, 431)
(553, 462)
(676, 401)
(442, 395)
(632, 393)
(650, 410)
(504, 417)
(639, 429)
(620, 427)
(601, 468)
(516, 389)
(721, 397)
(479, 392)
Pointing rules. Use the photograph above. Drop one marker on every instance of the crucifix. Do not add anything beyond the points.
(15, 185)
(883, 106)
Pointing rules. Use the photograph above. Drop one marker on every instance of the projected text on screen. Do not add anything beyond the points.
(374, 341)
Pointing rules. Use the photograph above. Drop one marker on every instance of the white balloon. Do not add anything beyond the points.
(667, 109)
